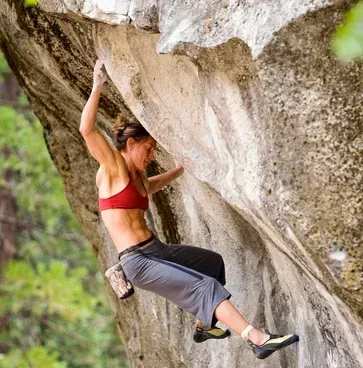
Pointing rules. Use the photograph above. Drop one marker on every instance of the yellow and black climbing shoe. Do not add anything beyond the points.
(202, 334)
(275, 342)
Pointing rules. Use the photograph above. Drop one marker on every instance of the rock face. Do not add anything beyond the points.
(247, 96)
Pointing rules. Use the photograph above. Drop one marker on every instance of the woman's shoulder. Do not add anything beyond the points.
(118, 168)
(119, 171)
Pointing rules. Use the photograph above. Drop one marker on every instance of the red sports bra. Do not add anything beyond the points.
(128, 198)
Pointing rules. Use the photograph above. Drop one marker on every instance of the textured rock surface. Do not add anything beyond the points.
(268, 126)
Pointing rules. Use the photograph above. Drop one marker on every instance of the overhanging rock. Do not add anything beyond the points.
(267, 123)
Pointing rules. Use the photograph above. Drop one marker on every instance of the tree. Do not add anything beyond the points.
(53, 305)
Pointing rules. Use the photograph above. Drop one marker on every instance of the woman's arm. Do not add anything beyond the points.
(158, 182)
(96, 143)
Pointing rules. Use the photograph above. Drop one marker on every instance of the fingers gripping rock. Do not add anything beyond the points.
(99, 73)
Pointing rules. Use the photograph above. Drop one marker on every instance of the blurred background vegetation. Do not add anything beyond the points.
(347, 42)
(54, 311)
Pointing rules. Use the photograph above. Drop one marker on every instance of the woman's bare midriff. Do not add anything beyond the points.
(127, 227)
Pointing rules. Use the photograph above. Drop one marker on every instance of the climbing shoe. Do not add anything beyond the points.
(275, 342)
(202, 334)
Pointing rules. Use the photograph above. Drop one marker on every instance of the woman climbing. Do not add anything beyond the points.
(191, 277)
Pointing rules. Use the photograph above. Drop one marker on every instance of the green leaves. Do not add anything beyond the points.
(37, 356)
(30, 2)
(4, 68)
(53, 308)
(38, 188)
(48, 290)
(347, 42)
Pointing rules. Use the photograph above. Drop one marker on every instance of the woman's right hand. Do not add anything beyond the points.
(99, 74)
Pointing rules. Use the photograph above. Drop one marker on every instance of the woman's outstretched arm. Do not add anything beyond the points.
(96, 143)
(158, 182)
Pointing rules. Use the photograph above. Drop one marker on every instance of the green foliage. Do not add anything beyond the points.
(38, 190)
(46, 290)
(4, 68)
(30, 2)
(347, 42)
(34, 357)
(53, 306)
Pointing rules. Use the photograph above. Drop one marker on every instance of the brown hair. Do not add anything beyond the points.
(124, 128)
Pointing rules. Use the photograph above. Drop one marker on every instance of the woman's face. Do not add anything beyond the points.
(142, 153)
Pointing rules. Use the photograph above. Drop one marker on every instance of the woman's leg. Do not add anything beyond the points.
(211, 264)
(196, 293)
(199, 259)
(191, 290)
(263, 344)
(232, 318)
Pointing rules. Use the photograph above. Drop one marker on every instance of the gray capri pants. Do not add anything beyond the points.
(188, 276)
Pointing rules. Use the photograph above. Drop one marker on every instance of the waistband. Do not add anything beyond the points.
(136, 247)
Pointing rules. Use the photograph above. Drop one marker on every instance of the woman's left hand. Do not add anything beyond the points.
(181, 169)
(99, 74)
